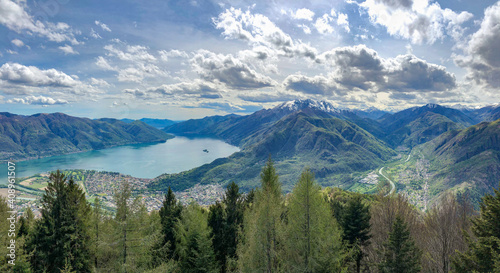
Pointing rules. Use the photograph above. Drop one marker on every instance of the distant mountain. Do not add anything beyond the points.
(371, 113)
(40, 135)
(237, 130)
(418, 125)
(296, 134)
(487, 113)
(157, 123)
(465, 160)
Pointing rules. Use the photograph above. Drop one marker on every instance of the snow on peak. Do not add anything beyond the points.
(432, 105)
(300, 104)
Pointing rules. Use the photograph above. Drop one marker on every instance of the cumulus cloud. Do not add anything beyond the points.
(482, 58)
(138, 72)
(99, 82)
(132, 63)
(228, 70)
(360, 68)
(18, 74)
(103, 26)
(416, 20)
(17, 42)
(133, 53)
(306, 29)
(303, 14)
(196, 88)
(104, 64)
(174, 53)
(318, 85)
(40, 100)
(94, 34)
(67, 49)
(14, 17)
(343, 21)
(258, 30)
(322, 24)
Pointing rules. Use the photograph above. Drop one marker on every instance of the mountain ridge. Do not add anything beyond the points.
(41, 135)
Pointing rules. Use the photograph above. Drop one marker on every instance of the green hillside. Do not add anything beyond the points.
(465, 162)
(334, 149)
(41, 135)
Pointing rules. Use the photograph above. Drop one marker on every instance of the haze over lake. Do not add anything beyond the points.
(139, 160)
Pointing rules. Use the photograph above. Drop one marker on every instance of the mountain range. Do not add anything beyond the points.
(340, 145)
(154, 122)
(40, 135)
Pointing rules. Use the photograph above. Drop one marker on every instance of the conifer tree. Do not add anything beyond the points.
(356, 227)
(96, 223)
(122, 214)
(313, 238)
(60, 238)
(217, 223)
(484, 253)
(234, 218)
(225, 220)
(194, 245)
(170, 214)
(401, 255)
(263, 227)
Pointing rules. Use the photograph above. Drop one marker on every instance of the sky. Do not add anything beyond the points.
(190, 59)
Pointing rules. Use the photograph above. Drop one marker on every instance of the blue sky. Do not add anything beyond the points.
(189, 59)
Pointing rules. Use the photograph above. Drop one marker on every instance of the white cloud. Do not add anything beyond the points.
(342, 20)
(104, 64)
(99, 82)
(228, 70)
(416, 20)
(132, 62)
(15, 18)
(94, 34)
(174, 53)
(306, 29)
(482, 58)
(40, 100)
(17, 42)
(18, 74)
(322, 24)
(193, 89)
(360, 68)
(103, 26)
(258, 30)
(138, 72)
(67, 49)
(131, 53)
(303, 14)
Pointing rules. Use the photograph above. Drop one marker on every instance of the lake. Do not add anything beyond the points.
(138, 160)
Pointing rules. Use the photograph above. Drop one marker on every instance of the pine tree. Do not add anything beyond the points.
(194, 246)
(96, 222)
(217, 223)
(263, 227)
(122, 214)
(225, 220)
(61, 236)
(484, 253)
(313, 238)
(170, 214)
(356, 226)
(401, 255)
(234, 218)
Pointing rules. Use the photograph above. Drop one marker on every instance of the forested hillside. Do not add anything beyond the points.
(309, 230)
(40, 135)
